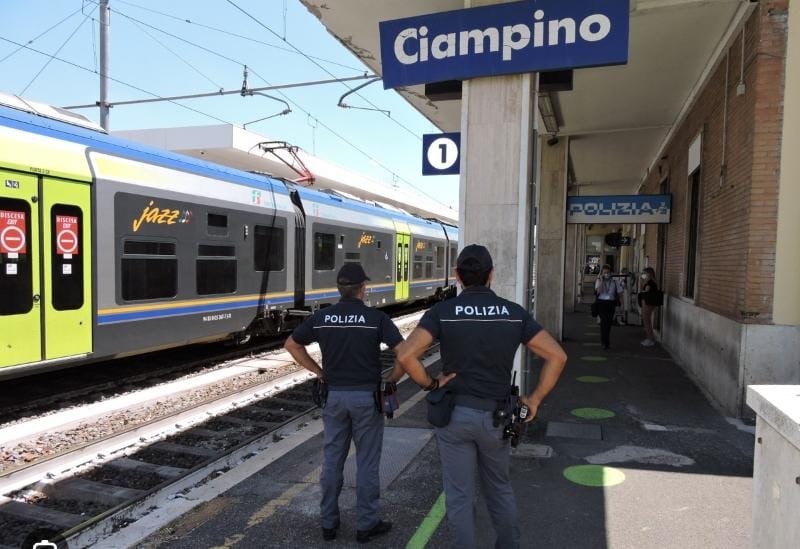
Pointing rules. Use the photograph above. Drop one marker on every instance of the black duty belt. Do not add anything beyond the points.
(477, 403)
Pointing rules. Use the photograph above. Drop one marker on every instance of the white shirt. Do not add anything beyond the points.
(606, 289)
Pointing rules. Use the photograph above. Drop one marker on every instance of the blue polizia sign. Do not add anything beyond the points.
(514, 37)
(637, 208)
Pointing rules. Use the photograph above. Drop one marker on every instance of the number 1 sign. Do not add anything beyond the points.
(440, 153)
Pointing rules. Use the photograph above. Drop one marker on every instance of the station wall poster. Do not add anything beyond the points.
(637, 208)
(508, 38)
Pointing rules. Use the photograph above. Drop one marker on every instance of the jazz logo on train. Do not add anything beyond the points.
(161, 216)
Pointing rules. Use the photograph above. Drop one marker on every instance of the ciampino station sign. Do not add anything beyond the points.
(507, 38)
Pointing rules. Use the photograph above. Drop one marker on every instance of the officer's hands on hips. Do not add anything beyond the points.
(444, 379)
(532, 405)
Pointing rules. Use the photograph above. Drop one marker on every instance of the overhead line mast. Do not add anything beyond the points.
(105, 22)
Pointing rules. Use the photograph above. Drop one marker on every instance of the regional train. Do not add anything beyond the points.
(110, 248)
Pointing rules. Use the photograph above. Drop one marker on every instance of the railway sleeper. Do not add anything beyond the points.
(165, 471)
(37, 514)
(80, 489)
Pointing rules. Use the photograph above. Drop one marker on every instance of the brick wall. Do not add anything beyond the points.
(739, 186)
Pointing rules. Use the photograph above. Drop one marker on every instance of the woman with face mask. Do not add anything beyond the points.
(607, 292)
(649, 298)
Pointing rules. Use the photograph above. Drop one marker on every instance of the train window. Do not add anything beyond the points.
(379, 244)
(66, 224)
(16, 276)
(429, 270)
(417, 270)
(439, 257)
(217, 224)
(269, 248)
(352, 256)
(216, 269)
(324, 251)
(149, 270)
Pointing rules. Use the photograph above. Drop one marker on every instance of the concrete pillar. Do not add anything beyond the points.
(786, 300)
(496, 168)
(571, 269)
(551, 204)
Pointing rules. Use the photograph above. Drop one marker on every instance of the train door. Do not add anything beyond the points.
(45, 269)
(20, 308)
(403, 266)
(66, 268)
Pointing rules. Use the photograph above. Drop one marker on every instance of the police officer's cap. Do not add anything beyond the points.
(474, 258)
(351, 274)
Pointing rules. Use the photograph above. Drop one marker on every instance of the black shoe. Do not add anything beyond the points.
(329, 534)
(363, 536)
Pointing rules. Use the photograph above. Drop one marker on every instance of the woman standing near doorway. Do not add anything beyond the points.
(649, 299)
(607, 292)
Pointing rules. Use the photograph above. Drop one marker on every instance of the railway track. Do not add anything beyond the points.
(87, 493)
(22, 398)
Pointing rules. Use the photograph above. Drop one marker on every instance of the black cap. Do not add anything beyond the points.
(475, 258)
(351, 274)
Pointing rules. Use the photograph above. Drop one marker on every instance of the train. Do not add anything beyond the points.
(110, 248)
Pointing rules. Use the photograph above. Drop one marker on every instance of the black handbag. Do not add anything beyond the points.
(595, 310)
(440, 406)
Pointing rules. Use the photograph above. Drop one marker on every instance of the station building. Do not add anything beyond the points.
(707, 109)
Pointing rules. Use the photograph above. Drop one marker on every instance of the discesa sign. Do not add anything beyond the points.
(637, 208)
(507, 38)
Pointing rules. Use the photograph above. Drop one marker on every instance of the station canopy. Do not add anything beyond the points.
(617, 118)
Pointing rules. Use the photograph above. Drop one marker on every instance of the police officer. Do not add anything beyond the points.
(479, 334)
(349, 335)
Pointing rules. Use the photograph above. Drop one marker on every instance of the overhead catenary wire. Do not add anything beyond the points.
(271, 31)
(44, 32)
(176, 54)
(234, 34)
(113, 79)
(288, 99)
(61, 47)
(351, 144)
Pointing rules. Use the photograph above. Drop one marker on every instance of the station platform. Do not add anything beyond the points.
(661, 468)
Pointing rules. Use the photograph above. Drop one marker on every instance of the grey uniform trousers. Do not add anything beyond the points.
(468, 443)
(351, 415)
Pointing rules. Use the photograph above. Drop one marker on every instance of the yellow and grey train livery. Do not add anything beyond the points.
(111, 248)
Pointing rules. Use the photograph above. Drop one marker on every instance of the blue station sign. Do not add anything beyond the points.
(440, 153)
(637, 208)
(514, 37)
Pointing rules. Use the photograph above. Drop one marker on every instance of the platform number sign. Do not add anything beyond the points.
(66, 235)
(12, 232)
(441, 153)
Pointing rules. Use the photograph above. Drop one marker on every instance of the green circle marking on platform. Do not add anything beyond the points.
(596, 476)
(594, 358)
(593, 379)
(593, 413)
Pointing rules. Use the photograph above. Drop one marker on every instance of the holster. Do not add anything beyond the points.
(440, 406)
(319, 392)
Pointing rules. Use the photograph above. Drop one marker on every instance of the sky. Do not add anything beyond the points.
(162, 54)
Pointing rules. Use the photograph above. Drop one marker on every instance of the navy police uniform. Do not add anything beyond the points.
(479, 334)
(349, 335)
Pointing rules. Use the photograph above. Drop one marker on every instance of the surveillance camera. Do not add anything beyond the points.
(553, 140)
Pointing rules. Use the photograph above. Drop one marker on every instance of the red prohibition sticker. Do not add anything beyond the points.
(12, 232)
(66, 235)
